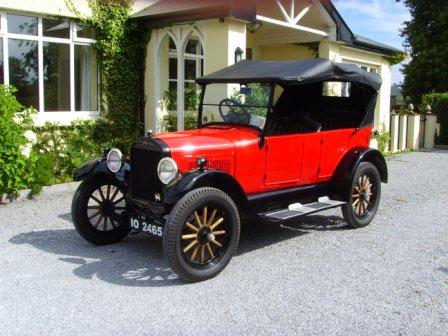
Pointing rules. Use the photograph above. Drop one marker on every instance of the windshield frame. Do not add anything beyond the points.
(200, 124)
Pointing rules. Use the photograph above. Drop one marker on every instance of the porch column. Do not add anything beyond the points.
(330, 50)
(156, 83)
(180, 88)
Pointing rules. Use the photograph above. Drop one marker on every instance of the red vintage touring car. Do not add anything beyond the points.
(275, 139)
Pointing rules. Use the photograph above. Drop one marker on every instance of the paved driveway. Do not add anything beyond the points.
(313, 278)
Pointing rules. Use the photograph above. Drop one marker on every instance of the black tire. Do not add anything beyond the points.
(194, 264)
(360, 210)
(108, 226)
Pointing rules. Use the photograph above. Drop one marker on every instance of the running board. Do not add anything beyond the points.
(297, 210)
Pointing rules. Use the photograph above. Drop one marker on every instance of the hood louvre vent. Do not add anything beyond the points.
(213, 163)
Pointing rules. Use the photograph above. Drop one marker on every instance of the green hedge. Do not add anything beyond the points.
(64, 148)
(439, 104)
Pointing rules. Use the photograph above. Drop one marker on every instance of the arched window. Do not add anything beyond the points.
(193, 68)
(179, 60)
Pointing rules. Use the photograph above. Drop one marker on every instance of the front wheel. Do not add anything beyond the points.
(97, 209)
(201, 234)
(364, 197)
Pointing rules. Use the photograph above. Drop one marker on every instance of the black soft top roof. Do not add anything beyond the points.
(292, 73)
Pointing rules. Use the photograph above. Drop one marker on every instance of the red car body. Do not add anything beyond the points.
(310, 158)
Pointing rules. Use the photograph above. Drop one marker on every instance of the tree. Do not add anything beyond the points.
(427, 40)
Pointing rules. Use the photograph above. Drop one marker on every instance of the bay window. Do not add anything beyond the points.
(2, 80)
(86, 79)
(23, 70)
(51, 62)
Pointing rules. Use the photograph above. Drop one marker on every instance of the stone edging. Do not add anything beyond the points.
(46, 191)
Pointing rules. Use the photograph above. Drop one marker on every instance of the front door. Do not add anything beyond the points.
(284, 155)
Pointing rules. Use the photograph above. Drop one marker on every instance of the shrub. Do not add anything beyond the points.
(383, 139)
(66, 148)
(169, 122)
(439, 104)
(191, 99)
(17, 160)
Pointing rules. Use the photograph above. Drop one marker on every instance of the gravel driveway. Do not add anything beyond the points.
(313, 278)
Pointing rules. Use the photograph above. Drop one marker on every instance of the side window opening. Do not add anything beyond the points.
(318, 107)
(336, 89)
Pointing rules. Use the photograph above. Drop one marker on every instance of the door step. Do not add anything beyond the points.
(297, 210)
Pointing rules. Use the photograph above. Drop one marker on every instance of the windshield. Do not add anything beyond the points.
(243, 104)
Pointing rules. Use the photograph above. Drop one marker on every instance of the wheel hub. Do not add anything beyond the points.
(204, 235)
(107, 208)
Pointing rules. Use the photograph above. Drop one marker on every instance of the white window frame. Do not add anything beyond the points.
(368, 67)
(193, 57)
(73, 40)
(80, 39)
(4, 46)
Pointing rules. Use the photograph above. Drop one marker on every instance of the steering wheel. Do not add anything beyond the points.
(233, 115)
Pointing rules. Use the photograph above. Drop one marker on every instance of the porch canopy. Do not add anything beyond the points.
(292, 73)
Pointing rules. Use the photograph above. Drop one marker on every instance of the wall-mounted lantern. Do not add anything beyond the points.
(238, 54)
(253, 26)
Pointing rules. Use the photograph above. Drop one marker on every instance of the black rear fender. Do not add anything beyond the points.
(341, 180)
(206, 178)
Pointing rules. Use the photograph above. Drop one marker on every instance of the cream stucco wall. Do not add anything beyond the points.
(49, 7)
(59, 7)
(283, 52)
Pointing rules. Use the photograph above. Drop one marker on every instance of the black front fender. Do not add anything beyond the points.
(346, 169)
(205, 178)
(99, 166)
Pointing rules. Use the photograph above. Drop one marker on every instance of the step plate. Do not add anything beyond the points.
(307, 209)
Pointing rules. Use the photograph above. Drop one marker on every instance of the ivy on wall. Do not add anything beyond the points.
(313, 47)
(396, 58)
(121, 50)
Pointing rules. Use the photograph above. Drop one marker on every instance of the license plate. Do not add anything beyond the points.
(139, 225)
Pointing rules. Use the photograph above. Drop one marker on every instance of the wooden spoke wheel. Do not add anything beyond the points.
(205, 235)
(364, 198)
(97, 211)
(201, 234)
(361, 196)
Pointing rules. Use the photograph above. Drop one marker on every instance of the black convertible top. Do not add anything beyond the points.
(292, 73)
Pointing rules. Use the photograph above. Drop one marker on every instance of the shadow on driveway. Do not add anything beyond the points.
(138, 260)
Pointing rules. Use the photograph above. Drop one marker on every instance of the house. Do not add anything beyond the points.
(48, 54)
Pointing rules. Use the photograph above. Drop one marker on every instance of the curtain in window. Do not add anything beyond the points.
(86, 79)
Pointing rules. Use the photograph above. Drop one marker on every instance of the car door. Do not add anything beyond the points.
(311, 158)
(333, 148)
(284, 155)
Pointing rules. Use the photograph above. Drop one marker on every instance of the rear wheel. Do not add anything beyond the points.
(97, 209)
(364, 198)
(201, 234)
